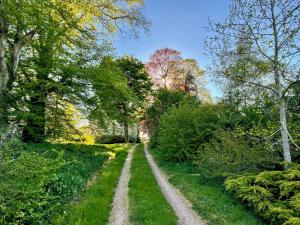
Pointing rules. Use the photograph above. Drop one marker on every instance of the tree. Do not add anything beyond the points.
(140, 85)
(110, 88)
(259, 44)
(23, 22)
(170, 71)
(191, 80)
(164, 66)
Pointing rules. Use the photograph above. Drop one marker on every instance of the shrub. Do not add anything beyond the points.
(185, 129)
(23, 187)
(164, 101)
(233, 152)
(274, 195)
(113, 139)
(35, 185)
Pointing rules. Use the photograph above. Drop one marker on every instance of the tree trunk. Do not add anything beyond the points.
(283, 122)
(280, 100)
(35, 127)
(4, 76)
(113, 129)
(165, 83)
(284, 133)
(126, 132)
(137, 133)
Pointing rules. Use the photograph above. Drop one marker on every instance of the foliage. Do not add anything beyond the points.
(184, 130)
(163, 66)
(170, 71)
(51, 53)
(43, 177)
(140, 85)
(257, 45)
(233, 152)
(163, 100)
(110, 139)
(274, 195)
(120, 93)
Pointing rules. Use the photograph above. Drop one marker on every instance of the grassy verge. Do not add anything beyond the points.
(95, 204)
(209, 198)
(147, 203)
(38, 180)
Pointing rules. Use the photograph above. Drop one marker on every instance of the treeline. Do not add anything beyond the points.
(55, 66)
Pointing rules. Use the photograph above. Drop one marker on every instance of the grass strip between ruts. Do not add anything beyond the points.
(146, 202)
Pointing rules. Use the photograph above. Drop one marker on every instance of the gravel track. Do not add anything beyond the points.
(181, 206)
(119, 214)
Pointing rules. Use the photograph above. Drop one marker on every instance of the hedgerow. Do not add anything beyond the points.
(37, 179)
(183, 130)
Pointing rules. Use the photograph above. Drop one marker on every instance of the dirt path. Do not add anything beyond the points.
(119, 213)
(181, 206)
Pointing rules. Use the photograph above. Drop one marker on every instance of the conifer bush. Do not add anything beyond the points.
(274, 195)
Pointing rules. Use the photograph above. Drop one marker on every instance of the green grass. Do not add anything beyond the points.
(95, 205)
(42, 178)
(147, 204)
(209, 198)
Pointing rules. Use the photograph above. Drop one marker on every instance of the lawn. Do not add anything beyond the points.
(209, 198)
(147, 204)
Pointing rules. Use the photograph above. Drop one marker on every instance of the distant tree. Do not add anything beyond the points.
(259, 44)
(140, 84)
(164, 65)
(170, 71)
(191, 80)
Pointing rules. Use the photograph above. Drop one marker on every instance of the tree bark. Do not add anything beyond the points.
(137, 132)
(283, 122)
(35, 127)
(113, 129)
(4, 73)
(126, 136)
(280, 100)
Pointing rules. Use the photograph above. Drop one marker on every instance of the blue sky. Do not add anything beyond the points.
(176, 24)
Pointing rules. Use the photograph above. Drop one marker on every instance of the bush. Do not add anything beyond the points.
(233, 152)
(112, 139)
(36, 184)
(274, 195)
(23, 187)
(184, 130)
(164, 101)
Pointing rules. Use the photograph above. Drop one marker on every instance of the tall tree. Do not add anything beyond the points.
(163, 66)
(24, 21)
(140, 85)
(267, 33)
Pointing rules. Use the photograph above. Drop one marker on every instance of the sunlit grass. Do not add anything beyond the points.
(147, 204)
(94, 206)
(209, 198)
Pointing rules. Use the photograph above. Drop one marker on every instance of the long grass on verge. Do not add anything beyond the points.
(147, 203)
(95, 205)
(209, 198)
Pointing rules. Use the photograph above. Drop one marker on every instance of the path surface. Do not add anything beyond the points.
(119, 214)
(181, 206)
